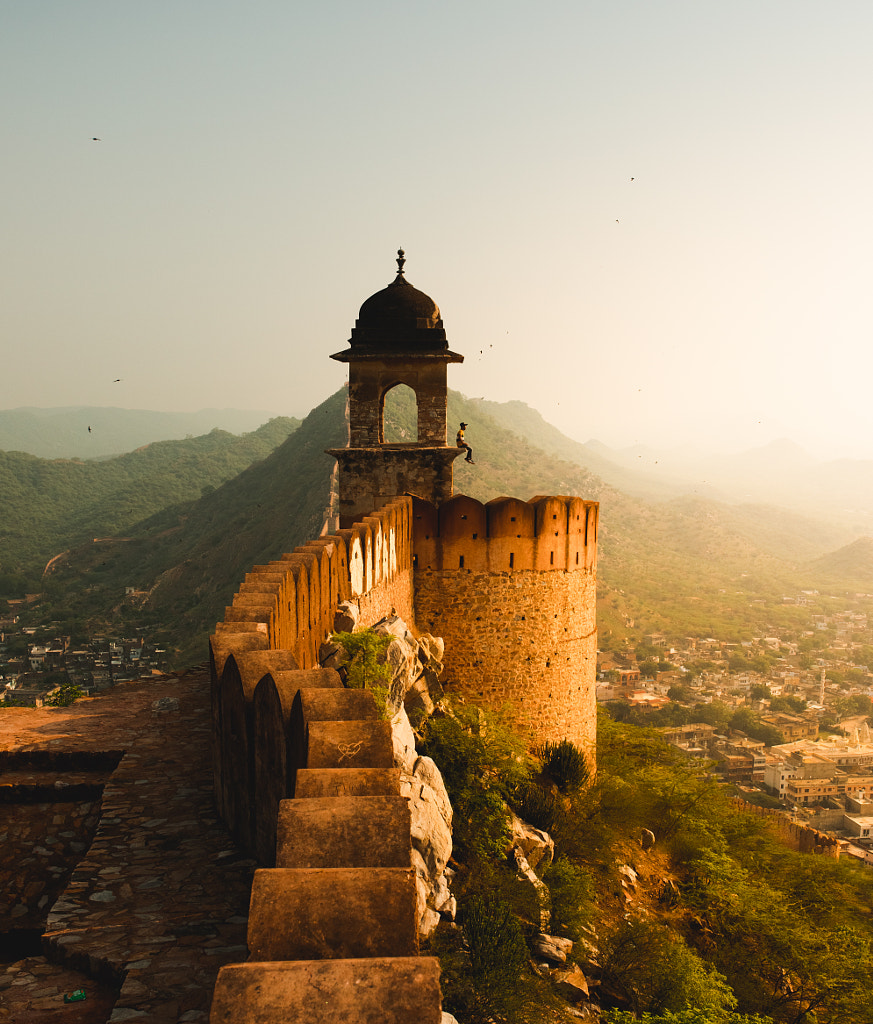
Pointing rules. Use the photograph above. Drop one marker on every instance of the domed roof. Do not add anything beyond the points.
(399, 301)
(399, 318)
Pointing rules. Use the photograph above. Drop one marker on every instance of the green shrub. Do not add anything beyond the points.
(535, 805)
(361, 658)
(682, 1017)
(572, 892)
(481, 761)
(565, 764)
(65, 695)
(652, 968)
(498, 954)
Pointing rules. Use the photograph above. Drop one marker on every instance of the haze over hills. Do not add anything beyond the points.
(687, 562)
(779, 473)
(62, 433)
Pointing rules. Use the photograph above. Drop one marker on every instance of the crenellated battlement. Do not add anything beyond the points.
(505, 534)
(289, 603)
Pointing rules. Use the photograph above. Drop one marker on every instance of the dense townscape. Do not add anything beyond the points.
(782, 718)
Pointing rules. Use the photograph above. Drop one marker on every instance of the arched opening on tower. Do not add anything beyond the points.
(399, 419)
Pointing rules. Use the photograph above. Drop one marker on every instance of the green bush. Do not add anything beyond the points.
(361, 658)
(565, 764)
(65, 695)
(651, 967)
(535, 805)
(682, 1017)
(482, 761)
(498, 955)
(572, 892)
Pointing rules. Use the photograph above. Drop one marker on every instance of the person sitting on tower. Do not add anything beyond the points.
(463, 444)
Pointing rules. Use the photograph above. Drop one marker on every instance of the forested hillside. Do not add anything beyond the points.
(191, 557)
(47, 506)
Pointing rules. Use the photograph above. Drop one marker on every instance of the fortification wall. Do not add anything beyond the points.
(305, 779)
(511, 588)
(301, 764)
(793, 834)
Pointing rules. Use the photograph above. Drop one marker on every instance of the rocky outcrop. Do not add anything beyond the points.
(415, 665)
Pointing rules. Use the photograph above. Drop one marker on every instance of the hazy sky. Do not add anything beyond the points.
(658, 213)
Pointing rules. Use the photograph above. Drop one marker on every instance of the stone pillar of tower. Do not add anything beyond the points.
(398, 339)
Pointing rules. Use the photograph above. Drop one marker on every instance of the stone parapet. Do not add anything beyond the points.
(332, 913)
(396, 990)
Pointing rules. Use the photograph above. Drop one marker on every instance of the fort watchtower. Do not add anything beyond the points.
(398, 339)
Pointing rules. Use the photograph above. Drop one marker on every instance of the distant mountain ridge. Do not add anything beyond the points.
(686, 560)
(62, 433)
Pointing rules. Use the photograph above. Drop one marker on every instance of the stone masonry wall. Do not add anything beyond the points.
(528, 637)
(793, 834)
(510, 586)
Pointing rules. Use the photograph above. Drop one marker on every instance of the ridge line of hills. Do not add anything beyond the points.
(683, 561)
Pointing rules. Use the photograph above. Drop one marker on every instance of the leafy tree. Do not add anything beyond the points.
(745, 720)
(771, 956)
(66, 694)
(859, 704)
(364, 658)
(788, 705)
(680, 692)
(716, 714)
(651, 967)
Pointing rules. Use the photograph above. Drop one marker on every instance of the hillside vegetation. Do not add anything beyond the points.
(190, 558)
(47, 506)
(710, 921)
(685, 564)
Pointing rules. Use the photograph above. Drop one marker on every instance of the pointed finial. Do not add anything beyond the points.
(401, 259)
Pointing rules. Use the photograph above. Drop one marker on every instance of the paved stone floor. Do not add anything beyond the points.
(158, 902)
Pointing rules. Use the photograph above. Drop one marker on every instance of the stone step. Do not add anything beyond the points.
(349, 745)
(344, 832)
(332, 913)
(327, 782)
(397, 990)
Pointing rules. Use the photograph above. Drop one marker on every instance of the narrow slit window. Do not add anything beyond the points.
(461, 562)
(511, 559)
(551, 558)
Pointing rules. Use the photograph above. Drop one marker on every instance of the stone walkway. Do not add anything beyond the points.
(159, 901)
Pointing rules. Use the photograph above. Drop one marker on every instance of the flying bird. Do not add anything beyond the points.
(95, 139)
(89, 430)
(117, 380)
